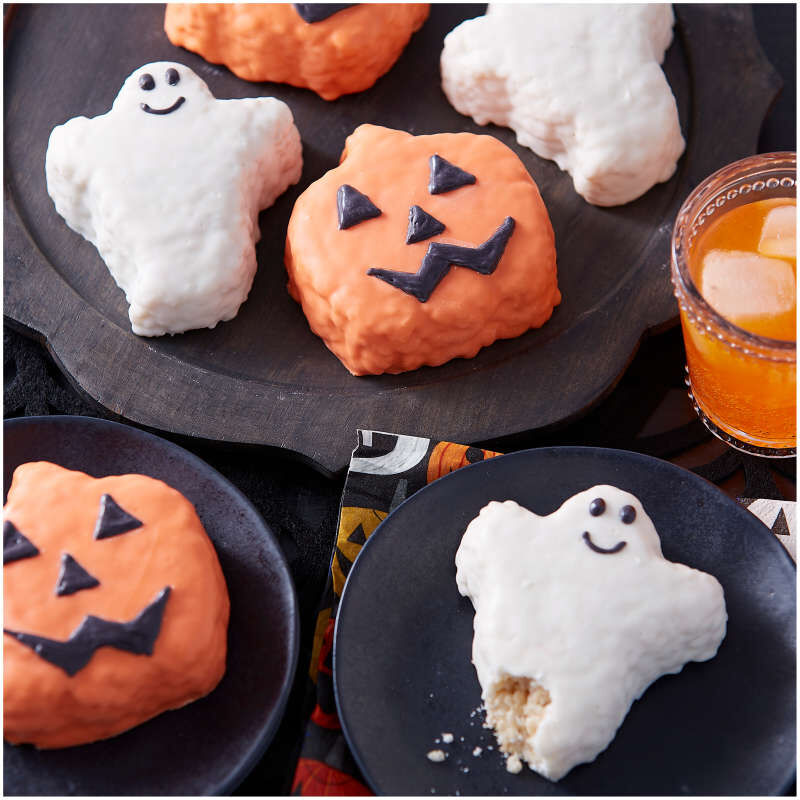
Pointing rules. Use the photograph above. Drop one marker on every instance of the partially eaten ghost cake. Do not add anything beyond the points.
(576, 614)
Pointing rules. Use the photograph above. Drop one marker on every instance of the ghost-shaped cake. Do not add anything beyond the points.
(576, 614)
(579, 84)
(168, 186)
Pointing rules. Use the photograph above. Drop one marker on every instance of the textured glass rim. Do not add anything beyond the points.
(712, 186)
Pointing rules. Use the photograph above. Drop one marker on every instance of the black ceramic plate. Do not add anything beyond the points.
(263, 377)
(208, 746)
(403, 639)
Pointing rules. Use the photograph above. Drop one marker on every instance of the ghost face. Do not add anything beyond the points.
(606, 522)
(161, 88)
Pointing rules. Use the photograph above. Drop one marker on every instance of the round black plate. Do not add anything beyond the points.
(208, 746)
(263, 377)
(403, 639)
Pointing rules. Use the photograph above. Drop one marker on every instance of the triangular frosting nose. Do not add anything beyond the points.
(15, 544)
(421, 225)
(444, 176)
(113, 520)
(73, 577)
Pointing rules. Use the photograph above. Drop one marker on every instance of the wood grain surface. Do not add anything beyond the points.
(264, 378)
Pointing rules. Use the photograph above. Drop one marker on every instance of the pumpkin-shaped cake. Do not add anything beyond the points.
(331, 48)
(419, 249)
(115, 606)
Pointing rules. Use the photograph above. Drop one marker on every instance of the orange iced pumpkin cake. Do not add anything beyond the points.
(115, 606)
(332, 48)
(419, 249)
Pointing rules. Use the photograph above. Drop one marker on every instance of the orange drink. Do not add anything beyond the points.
(735, 277)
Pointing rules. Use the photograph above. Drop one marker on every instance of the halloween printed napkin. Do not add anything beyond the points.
(385, 469)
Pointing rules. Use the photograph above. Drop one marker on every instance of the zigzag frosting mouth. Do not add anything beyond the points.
(174, 107)
(137, 636)
(440, 257)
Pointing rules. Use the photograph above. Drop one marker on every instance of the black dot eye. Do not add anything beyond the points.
(172, 76)
(597, 506)
(627, 514)
(146, 82)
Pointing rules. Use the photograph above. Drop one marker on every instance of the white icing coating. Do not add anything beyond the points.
(579, 84)
(171, 201)
(594, 630)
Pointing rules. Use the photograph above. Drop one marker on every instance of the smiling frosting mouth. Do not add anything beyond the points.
(587, 537)
(174, 107)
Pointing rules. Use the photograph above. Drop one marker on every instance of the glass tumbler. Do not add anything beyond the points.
(742, 385)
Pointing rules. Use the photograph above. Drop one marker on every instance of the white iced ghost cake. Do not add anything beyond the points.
(579, 84)
(576, 614)
(168, 186)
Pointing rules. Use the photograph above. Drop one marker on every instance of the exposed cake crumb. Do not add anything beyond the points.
(515, 707)
(513, 764)
(447, 738)
(436, 755)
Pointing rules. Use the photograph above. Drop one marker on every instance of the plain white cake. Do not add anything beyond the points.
(579, 84)
(168, 186)
(576, 614)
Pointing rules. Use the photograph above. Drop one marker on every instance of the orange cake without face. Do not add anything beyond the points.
(419, 249)
(334, 49)
(115, 606)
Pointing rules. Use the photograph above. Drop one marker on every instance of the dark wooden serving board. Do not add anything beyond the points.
(264, 378)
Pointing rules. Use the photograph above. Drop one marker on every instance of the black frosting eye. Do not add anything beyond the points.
(113, 520)
(354, 207)
(15, 544)
(172, 76)
(597, 506)
(627, 514)
(146, 82)
(444, 176)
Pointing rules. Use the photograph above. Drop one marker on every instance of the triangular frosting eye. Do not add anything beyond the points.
(354, 207)
(444, 176)
(113, 520)
(316, 12)
(421, 225)
(15, 544)
(73, 577)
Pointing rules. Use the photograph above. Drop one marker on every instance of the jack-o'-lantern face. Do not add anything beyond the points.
(134, 636)
(112, 593)
(355, 207)
(417, 249)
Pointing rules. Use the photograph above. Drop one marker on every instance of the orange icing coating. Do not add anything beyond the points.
(373, 327)
(56, 510)
(343, 54)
